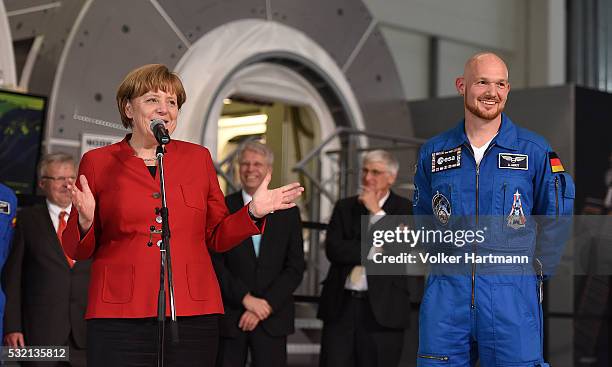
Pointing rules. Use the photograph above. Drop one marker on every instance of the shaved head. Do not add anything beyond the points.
(483, 57)
(484, 86)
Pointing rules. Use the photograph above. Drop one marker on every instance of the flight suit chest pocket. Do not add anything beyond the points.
(512, 195)
(446, 195)
(512, 208)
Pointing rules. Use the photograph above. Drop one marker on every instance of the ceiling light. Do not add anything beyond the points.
(243, 120)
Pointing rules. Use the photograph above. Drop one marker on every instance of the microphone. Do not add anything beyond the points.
(158, 127)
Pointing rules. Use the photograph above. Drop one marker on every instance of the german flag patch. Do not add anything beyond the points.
(555, 163)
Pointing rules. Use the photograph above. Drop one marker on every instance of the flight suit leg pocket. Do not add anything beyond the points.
(515, 326)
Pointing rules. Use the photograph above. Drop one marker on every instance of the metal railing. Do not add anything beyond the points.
(347, 183)
(348, 157)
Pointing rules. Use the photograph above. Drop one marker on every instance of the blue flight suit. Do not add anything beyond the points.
(482, 314)
(8, 209)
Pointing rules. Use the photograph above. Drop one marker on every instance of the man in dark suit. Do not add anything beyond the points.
(259, 276)
(364, 316)
(46, 291)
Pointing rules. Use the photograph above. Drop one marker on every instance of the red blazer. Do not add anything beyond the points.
(125, 271)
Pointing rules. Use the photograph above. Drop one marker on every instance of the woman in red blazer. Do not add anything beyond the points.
(116, 197)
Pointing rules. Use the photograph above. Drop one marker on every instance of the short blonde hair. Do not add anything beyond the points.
(257, 147)
(48, 159)
(147, 78)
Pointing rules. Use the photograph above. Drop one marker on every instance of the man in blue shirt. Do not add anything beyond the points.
(8, 208)
(495, 173)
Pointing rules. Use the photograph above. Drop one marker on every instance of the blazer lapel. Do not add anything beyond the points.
(236, 202)
(250, 248)
(125, 155)
(389, 205)
(263, 242)
(393, 205)
(357, 216)
(49, 234)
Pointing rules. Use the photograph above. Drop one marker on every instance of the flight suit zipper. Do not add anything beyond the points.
(425, 356)
(504, 201)
(557, 195)
(474, 248)
(540, 277)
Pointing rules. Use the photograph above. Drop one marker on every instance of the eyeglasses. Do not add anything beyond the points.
(373, 172)
(254, 164)
(59, 178)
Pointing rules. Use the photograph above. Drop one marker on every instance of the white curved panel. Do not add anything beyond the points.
(49, 139)
(110, 37)
(8, 75)
(220, 52)
(278, 83)
(275, 83)
(106, 42)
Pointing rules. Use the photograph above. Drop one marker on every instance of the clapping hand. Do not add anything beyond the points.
(84, 203)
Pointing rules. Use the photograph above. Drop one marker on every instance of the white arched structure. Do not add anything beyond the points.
(231, 59)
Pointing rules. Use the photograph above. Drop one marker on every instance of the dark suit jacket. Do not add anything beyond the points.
(274, 275)
(46, 299)
(389, 295)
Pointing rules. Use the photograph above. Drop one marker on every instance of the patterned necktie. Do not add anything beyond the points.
(256, 241)
(60, 230)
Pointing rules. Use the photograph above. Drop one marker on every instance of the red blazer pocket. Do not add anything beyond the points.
(118, 283)
(192, 196)
(199, 281)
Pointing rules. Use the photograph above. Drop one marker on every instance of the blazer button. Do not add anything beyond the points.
(156, 195)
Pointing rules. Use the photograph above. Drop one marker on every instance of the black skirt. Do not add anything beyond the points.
(133, 342)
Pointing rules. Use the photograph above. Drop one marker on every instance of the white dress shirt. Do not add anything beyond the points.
(54, 212)
(357, 280)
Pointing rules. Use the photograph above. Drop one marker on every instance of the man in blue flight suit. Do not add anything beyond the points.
(8, 208)
(487, 166)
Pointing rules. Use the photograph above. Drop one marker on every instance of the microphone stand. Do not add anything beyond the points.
(166, 266)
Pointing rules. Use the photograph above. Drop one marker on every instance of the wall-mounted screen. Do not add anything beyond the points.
(22, 118)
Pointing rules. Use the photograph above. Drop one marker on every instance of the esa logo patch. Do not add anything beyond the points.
(447, 159)
(513, 161)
